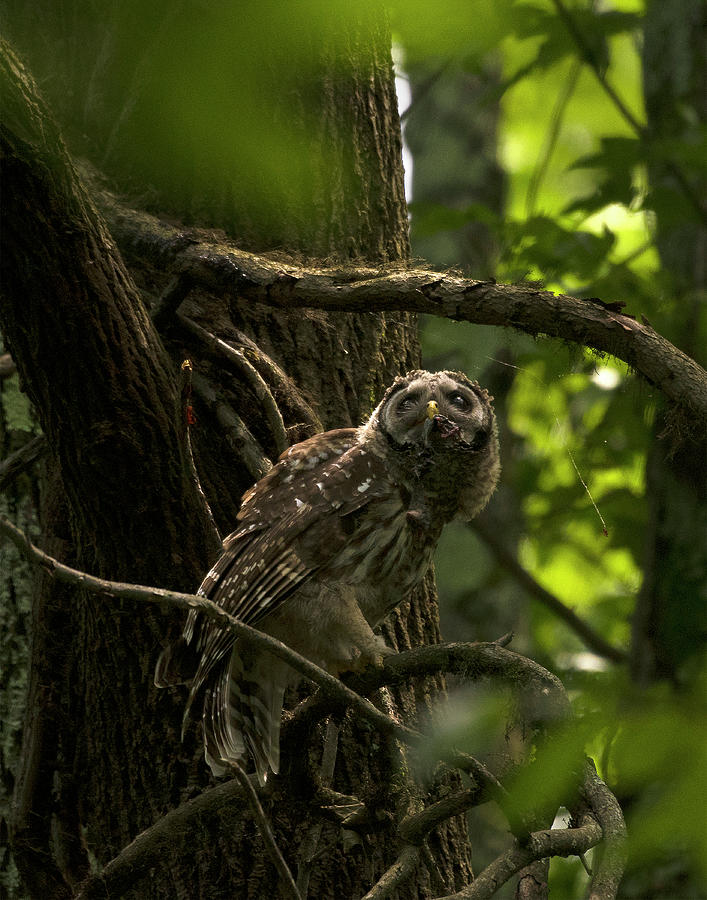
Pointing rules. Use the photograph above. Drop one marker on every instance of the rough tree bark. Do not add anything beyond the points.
(105, 388)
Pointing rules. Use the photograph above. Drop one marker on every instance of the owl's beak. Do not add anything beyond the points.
(428, 423)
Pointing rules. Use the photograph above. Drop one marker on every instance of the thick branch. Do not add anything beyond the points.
(245, 276)
(135, 860)
(397, 874)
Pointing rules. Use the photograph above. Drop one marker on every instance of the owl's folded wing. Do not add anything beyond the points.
(291, 524)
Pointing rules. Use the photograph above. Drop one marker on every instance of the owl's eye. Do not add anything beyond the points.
(408, 403)
(459, 400)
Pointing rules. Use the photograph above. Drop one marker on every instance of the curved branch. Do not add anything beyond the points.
(392, 878)
(414, 829)
(134, 861)
(282, 385)
(245, 276)
(607, 877)
(186, 390)
(474, 661)
(552, 842)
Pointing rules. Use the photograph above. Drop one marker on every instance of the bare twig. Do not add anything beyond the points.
(273, 850)
(186, 394)
(247, 277)
(21, 460)
(510, 563)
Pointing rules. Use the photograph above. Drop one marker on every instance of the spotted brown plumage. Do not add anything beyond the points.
(327, 543)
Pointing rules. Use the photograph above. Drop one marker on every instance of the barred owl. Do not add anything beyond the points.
(327, 544)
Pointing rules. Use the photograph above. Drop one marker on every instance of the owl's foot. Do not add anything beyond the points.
(372, 654)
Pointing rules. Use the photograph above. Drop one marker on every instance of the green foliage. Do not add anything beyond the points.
(15, 604)
(550, 28)
(16, 410)
(586, 202)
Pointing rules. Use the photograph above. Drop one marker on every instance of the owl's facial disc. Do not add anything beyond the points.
(441, 410)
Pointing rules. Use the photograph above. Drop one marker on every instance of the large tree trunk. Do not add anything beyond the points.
(106, 390)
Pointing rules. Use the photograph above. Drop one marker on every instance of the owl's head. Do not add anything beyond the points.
(436, 409)
(444, 425)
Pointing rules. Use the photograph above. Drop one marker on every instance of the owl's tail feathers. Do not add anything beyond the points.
(177, 664)
(242, 713)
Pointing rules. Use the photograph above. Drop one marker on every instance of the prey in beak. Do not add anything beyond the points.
(434, 421)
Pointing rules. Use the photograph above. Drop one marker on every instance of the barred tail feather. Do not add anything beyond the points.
(242, 713)
(176, 664)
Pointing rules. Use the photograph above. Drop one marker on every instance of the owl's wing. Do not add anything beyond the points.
(291, 524)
